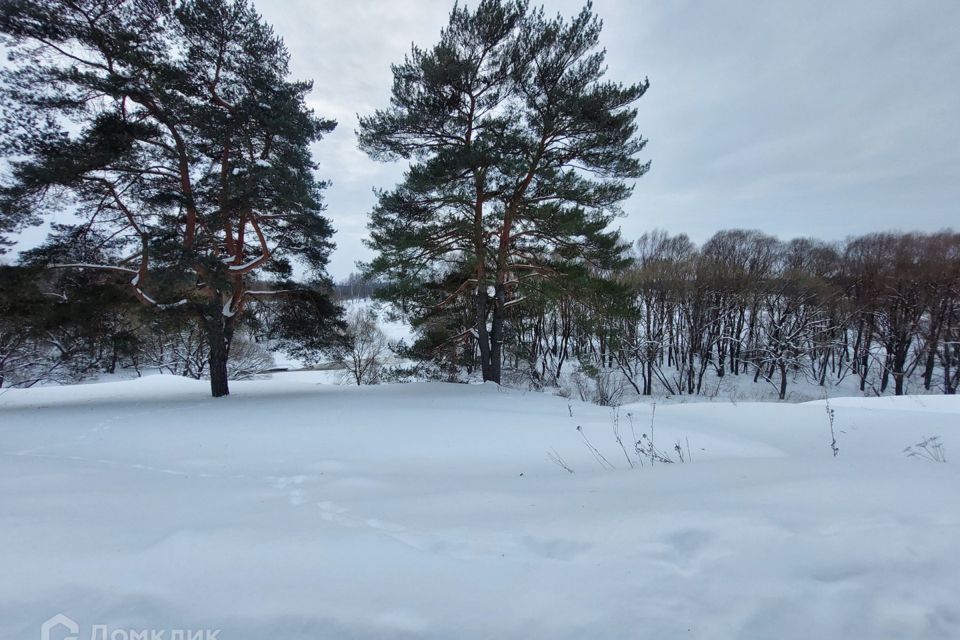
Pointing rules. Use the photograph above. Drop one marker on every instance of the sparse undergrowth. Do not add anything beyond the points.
(642, 448)
(929, 449)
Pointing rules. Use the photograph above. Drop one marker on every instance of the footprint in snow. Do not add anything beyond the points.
(332, 512)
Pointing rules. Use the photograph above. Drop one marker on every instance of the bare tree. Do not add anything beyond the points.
(365, 351)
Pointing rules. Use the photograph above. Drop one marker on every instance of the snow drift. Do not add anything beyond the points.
(295, 510)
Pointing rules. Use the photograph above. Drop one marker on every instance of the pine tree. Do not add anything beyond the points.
(519, 154)
(173, 127)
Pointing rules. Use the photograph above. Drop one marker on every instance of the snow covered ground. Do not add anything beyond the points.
(293, 510)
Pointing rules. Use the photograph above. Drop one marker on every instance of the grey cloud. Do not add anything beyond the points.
(796, 117)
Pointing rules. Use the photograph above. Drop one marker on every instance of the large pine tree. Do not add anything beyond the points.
(174, 128)
(519, 152)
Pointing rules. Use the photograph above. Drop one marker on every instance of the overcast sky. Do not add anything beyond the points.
(795, 117)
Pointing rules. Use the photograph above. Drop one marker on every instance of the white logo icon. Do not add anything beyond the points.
(59, 620)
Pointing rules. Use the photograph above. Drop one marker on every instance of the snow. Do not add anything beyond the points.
(145, 296)
(296, 510)
(396, 329)
(245, 265)
(87, 265)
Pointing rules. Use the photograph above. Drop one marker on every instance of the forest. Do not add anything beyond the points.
(880, 309)
(200, 244)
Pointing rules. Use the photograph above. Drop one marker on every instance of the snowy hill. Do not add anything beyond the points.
(294, 510)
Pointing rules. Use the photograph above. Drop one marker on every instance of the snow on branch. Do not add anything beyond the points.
(84, 265)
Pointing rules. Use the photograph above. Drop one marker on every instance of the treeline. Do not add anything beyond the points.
(356, 287)
(883, 309)
(65, 324)
(92, 327)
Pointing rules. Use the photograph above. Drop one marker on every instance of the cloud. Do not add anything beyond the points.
(821, 117)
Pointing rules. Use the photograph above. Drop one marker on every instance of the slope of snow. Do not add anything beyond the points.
(295, 510)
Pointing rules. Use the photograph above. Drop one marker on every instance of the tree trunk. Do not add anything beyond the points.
(823, 367)
(898, 383)
(483, 337)
(949, 386)
(219, 334)
(865, 356)
(899, 366)
(496, 335)
(783, 379)
(887, 366)
(929, 367)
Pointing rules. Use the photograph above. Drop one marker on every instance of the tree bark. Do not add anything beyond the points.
(219, 334)
(783, 379)
(496, 334)
(483, 336)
